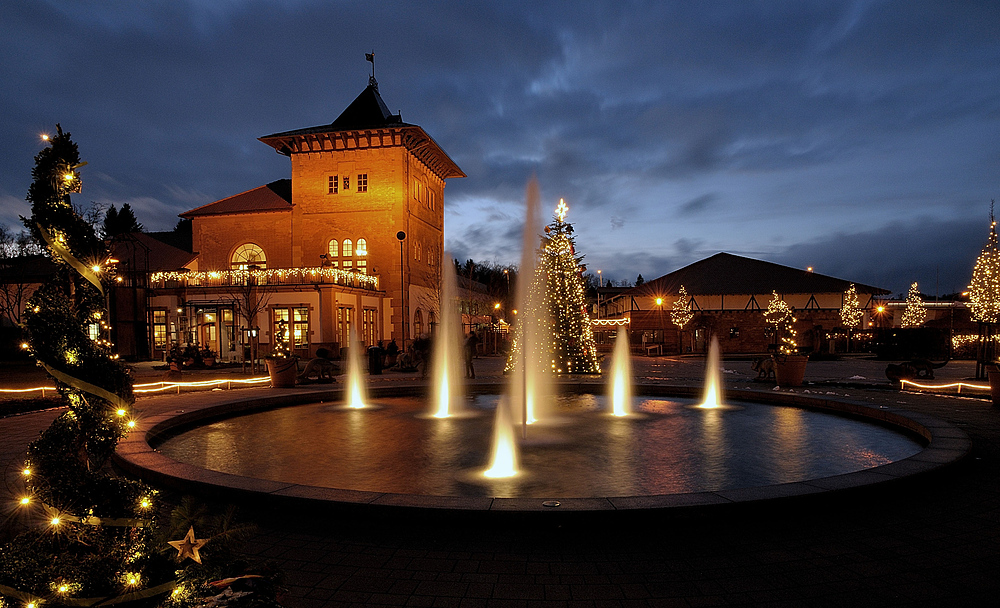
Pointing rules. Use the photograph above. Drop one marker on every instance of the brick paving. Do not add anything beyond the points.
(928, 541)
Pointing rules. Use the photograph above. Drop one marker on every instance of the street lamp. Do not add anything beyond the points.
(402, 291)
(600, 283)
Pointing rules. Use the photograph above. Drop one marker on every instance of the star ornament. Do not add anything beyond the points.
(188, 546)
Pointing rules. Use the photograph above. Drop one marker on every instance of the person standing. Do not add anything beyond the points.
(470, 350)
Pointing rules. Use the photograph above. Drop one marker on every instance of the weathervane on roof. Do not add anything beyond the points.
(371, 80)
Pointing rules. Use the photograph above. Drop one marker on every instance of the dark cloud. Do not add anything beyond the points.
(696, 127)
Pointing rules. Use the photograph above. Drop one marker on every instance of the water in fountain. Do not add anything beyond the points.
(504, 456)
(356, 395)
(448, 356)
(531, 384)
(713, 397)
(621, 375)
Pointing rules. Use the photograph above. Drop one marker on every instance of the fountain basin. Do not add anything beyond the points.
(944, 444)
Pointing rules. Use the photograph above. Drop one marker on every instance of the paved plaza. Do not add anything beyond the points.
(931, 540)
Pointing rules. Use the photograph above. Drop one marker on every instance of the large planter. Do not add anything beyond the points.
(790, 370)
(282, 372)
(994, 375)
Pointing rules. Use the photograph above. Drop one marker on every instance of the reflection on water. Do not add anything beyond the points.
(667, 448)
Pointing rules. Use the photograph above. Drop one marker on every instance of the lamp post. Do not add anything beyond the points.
(402, 292)
(600, 283)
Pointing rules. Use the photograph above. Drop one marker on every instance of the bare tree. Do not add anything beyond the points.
(250, 299)
(19, 257)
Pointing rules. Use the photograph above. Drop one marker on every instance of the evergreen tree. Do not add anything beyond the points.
(851, 312)
(639, 280)
(984, 291)
(92, 532)
(559, 278)
(117, 222)
(681, 313)
(915, 312)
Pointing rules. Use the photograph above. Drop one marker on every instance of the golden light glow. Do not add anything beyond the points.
(561, 210)
(26, 472)
(120, 412)
(621, 375)
(503, 461)
(145, 503)
(267, 276)
(62, 588)
(45, 137)
(95, 268)
(659, 301)
(130, 424)
(25, 500)
(68, 177)
(55, 521)
(496, 306)
(915, 312)
(25, 346)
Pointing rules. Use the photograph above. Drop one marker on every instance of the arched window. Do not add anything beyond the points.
(418, 323)
(348, 248)
(334, 249)
(362, 248)
(247, 255)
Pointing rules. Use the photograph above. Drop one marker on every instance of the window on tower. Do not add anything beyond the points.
(332, 186)
(362, 182)
(348, 249)
(347, 183)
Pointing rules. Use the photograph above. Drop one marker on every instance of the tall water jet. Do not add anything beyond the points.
(530, 384)
(357, 395)
(503, 457)
(712, 397)
(621, 375)
(447, 356)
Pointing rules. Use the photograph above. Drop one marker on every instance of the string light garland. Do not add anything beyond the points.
(915, 312)
(266, 276)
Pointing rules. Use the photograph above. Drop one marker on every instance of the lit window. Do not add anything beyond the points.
(362, 248)
(159, 329)
(363, 266)
(347, 183)
(348, 264)
(333, 250)
(362, 182)
(331, 187)
(348, 248)
(247, 255)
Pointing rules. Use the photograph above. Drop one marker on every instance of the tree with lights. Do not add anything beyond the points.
(851, 312)
(91, 533)
(984, 291)
(681, 314)
(781, 317)
(559, 280)
(915, 312)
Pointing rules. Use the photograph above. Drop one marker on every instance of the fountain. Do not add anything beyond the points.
(712, 398)
(398, 450)
(447, 356)
(356, 394)
(621, 375)
(531, 383)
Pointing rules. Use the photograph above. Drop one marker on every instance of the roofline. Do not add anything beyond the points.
(326, 139)
(192, 212)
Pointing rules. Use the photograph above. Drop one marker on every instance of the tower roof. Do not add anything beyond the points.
(362, 124)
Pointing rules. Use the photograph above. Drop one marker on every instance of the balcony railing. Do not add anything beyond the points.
(266, 276)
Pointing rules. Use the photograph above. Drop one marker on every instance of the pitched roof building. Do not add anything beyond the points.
(353, 240)
(729, 294)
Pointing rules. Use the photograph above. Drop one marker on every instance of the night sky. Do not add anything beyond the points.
(860, 138)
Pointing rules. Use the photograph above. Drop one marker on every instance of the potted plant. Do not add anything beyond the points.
(789, 365)
(207, 357)
(282, 365)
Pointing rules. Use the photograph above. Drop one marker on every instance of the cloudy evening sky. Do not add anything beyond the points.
(860, 138)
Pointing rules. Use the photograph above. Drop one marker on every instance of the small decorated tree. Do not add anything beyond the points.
(915, 312)
(91, 538)
(681, 314)
(851, 312)
(781, 318)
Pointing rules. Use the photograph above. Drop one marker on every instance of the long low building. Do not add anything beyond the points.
(727, 295)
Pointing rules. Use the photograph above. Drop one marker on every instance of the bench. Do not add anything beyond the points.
(654, 348)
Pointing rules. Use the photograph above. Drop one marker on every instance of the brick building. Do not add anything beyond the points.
(728, 295)
(354, 239)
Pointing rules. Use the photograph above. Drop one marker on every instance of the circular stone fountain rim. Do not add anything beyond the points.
(945, 445)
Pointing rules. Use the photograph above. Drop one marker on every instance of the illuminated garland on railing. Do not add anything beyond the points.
(267, 276)
(610, 322)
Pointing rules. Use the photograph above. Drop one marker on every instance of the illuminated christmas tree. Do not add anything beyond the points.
(915, 312)
(681, 313)
(851, 312)
(984, 291)
(781, 317)
(559, 280)
(90, 531)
